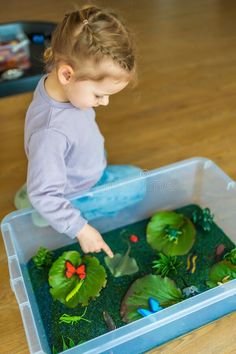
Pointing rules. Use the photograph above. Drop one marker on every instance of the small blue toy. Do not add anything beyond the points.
(154, 307)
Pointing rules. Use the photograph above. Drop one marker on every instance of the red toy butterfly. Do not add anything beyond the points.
(71, 270)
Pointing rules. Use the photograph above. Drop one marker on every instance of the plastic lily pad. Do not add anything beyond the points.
(161, 289)
(121, 265)
(62, 286)
(171, 233)
(221, 273)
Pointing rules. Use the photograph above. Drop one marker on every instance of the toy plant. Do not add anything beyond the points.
(147, 295)
(166, 265)
(203, 218)
(67, 343)
(223, 271)
(43, 258)
(76, 280)
(231, 256)
(171, 233)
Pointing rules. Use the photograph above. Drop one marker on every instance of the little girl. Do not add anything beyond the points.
(91, 57)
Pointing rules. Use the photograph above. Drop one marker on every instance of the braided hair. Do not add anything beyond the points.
(87, 36)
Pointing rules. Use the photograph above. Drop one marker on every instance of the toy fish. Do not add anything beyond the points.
(109, 321)
(190, 291)
(154, 306)
(191, 263)
(121, 265)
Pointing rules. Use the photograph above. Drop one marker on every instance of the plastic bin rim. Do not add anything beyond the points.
(18, 213)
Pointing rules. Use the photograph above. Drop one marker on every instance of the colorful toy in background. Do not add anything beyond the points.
(14, 48)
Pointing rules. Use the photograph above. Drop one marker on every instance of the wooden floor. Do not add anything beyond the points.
(184, 106)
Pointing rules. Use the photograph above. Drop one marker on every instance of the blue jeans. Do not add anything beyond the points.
(112, 200)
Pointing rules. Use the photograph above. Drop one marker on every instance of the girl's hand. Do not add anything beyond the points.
(90, 240)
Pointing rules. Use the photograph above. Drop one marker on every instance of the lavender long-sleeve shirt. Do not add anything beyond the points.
(65, 151)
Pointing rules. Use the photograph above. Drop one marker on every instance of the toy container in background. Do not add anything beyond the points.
(14, 48)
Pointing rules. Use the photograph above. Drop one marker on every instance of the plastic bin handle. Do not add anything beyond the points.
(10, 249)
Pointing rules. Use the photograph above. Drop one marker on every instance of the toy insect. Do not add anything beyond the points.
(191, 263)
(74, 291)
(73, 319)
(109, 321)
(154, 307)
(219, 250)
(71, 270)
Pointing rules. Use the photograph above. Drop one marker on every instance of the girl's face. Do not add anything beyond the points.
(89, 93)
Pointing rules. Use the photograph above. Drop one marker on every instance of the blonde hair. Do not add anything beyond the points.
(87, 36)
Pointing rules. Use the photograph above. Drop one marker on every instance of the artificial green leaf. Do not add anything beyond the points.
(61, 286)
(161, 289)
(54, 351)
(121, 265)
(43, 258)
(64, 345)
(71, 343)
(170, 233)
(220, 273)
(231, 256)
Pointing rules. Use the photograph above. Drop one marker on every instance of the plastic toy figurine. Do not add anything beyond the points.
(172, 234)
(121, 265)
(203, 218)
(80, 270)
(109, 321)
(73, 319)
(191, 263)
(134, 238)
(190, 291)
(154, 307)
(219, 250)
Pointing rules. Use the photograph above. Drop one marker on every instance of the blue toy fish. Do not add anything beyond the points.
(154, 306)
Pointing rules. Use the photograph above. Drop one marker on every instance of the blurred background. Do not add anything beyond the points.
(183, 106)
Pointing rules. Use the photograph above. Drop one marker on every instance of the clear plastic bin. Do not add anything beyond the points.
(14, 48)
(196, 180)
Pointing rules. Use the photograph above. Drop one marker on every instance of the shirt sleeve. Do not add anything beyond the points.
(46, 182)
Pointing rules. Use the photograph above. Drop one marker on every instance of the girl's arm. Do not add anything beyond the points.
(46, 182)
